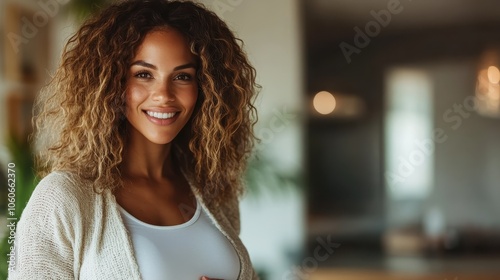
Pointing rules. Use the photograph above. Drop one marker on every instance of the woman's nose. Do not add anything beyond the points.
(163, 93)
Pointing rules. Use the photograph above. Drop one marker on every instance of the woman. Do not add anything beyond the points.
(143, 134)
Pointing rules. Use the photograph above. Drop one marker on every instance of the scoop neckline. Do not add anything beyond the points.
(173, 227)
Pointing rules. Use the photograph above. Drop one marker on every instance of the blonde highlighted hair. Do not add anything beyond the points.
(79, 116)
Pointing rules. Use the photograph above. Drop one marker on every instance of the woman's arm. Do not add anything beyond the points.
(44, 247)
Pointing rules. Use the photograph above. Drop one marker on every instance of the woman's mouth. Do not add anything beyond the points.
(161, 116)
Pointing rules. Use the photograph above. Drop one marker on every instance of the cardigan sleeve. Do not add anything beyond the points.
(233, 214)
(44, 236)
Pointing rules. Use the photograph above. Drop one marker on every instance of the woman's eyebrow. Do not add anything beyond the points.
(144, 63)
(185, 66)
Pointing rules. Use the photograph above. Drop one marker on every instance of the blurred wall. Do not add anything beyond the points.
(33, 34)
(467, 165)
(347, 192)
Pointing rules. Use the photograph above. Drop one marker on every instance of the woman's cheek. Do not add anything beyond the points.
(135, 94)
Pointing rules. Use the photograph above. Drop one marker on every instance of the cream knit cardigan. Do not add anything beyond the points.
(67, 231)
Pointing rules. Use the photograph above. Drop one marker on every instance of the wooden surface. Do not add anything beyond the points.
(340, 274)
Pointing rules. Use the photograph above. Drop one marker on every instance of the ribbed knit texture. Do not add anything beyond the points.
(67, 231)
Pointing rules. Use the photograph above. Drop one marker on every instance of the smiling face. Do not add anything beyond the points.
(161, 87)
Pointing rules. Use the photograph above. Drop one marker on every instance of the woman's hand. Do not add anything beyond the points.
(206, 278)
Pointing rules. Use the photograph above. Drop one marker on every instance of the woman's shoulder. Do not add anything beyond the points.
(59, 196)
(63, 188)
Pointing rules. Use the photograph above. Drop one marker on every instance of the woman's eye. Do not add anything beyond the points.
(183, 77)
(143, 75)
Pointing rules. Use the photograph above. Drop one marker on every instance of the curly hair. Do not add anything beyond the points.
(79, 116)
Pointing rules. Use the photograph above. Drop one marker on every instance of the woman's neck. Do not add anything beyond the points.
(146, 160)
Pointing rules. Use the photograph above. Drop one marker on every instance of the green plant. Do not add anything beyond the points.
(263, 174)
(83, 8)
(25, 182)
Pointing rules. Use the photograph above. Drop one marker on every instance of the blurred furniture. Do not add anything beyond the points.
(346, 274)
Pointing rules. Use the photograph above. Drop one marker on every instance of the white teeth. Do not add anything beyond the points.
(160, 115)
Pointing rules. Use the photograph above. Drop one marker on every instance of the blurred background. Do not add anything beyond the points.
(379, 121)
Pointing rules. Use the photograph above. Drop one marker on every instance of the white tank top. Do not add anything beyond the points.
(182, 252)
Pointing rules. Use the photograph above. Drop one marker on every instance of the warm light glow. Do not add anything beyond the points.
(324, 102)
(488, 84)
(493, 75)
(494, 93)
